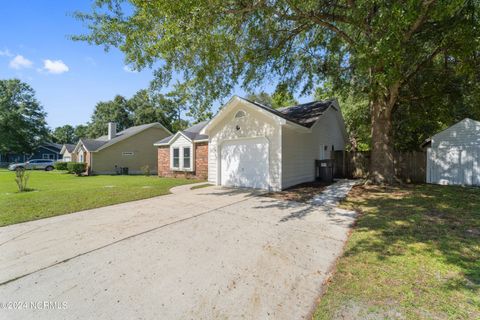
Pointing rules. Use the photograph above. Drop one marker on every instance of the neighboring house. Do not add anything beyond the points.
(46, 150)
(252, 145)
(67, 153)
(131, 148)
(185, 152)
(453, 155)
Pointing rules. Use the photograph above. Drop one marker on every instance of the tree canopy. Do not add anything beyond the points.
(64, 134)
(280, 98)
(22, 118)
(375, 48)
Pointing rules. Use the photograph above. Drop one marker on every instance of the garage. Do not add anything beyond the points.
(453, 155)
(244, 163)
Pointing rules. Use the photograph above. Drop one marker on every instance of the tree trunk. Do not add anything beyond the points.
(381, 165)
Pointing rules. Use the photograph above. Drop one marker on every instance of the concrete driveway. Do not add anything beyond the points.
(209, 253)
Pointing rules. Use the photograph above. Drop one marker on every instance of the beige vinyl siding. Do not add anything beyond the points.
(254, 125)
(72, 156)
(301, 149)
(144, 153)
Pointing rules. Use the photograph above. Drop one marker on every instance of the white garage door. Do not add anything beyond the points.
(244, 163)
(453, 166)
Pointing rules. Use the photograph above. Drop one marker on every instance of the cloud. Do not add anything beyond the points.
(5, 53)
(20, 62)
(128, 69)
(55, 66)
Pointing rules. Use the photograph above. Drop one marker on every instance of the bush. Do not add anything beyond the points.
(21, 178)
(76, 167)
(61, 165)
(146, 170)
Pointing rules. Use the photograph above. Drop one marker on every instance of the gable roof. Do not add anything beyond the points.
(67, 147)
(51, 145)
(428, 141)
(192, 134)
(102, 142)
(305, 114)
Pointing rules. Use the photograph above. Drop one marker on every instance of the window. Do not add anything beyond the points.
(186, 158)
(47, 156)
(240, 114)
(81, 157)
(176, 157)
(128, 153)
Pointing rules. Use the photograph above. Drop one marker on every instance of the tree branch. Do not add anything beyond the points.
(427, 4)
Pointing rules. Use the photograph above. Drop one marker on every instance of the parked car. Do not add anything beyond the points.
(35, 164)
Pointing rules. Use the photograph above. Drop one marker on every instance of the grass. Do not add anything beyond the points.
(201, 186)
(414, 254)
(55, 193)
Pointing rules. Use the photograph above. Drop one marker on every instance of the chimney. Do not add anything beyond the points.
(112, 130)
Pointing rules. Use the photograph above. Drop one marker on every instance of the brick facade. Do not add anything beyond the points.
(164, 162)
(201, 163)
(201, 160)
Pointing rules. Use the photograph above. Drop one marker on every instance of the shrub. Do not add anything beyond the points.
(146, 170)
(76, 167)
(61, 165)
(21, 178)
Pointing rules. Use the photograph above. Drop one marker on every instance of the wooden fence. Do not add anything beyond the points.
(408, 166)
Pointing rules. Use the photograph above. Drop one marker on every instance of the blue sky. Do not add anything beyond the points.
(69, 77)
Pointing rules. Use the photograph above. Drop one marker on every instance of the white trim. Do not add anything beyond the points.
(172, 149)
(189, 168)
(232, 103)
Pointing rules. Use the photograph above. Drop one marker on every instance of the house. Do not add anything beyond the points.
(184, 153)
(46, 150)
(255, 146)
(453, 155)
(67, 153)
(117, 152)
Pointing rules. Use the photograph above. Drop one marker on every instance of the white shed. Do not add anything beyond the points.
(254, 146)
(453, 155)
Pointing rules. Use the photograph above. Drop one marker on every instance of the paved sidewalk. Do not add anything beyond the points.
(334, 193)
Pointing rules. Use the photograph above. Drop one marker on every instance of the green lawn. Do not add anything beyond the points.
(414, 254)
(56, 193)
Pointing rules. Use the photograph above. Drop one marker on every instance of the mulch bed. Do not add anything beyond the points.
(301, 192)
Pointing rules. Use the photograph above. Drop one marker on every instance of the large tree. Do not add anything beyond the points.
(373, 47)
(64, 134)
(22, 119)
(115, 110)
(81, 131)
(148, 106)
(280, 98)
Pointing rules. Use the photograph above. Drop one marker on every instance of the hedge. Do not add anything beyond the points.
(61, 165)
(76, 167)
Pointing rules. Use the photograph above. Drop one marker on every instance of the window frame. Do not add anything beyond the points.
(181, 157)
(189, 158)
(178, 158)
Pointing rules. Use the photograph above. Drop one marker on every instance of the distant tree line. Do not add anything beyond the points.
(144, 107)
(23, 123)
